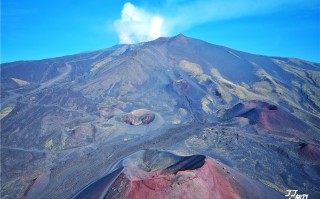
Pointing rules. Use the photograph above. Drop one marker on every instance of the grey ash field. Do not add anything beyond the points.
(128, 112)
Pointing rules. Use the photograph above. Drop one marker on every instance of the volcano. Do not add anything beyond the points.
(176, 117)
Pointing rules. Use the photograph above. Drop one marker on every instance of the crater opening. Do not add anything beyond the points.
(302, 145)
(272, 107)
(187, 163)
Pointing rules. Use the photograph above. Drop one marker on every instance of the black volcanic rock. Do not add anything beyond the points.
(187, 163)
(66, 121)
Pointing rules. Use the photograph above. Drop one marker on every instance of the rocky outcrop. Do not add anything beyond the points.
(310, 152)
(139, 117)
(181, 86)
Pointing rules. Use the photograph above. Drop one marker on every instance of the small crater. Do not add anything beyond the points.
(218, 94)
(272, 107)
(139, 117)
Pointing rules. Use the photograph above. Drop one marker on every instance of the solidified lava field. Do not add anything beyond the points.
(171, 118)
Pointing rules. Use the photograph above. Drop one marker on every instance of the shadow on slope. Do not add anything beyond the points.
(161, 174)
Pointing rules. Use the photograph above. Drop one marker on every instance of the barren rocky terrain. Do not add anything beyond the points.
(162, 119)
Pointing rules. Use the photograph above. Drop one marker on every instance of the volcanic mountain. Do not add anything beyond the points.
(171, 118)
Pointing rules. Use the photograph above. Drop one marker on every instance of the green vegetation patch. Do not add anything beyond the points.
(20, 82)
(205, 103)
(101, 63)
(227, 86)
(274, 186)
(49, 144)
(4, 112)
(194, 70)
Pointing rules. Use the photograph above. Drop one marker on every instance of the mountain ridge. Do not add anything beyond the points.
(159, 39)
(70, 115)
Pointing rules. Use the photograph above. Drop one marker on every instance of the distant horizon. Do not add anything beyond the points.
(36, 30)
(88, 51)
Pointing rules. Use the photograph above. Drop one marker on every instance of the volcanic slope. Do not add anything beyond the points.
(65, 121)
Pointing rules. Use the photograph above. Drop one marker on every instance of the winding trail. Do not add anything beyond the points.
(55, 79)
(13, 96)
(23, 149)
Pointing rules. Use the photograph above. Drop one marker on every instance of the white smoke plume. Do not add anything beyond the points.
(138, 25)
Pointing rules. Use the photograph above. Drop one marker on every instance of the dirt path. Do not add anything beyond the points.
(55, 79)
(13, 96)
(25, 150)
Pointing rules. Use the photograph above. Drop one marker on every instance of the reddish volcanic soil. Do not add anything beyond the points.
(310, 152)
(181, 86)
(210, 180)
(39, 184)
(269, 117)
(108, 124)
(278, 121)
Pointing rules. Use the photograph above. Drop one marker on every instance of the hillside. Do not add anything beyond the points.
(67, 122)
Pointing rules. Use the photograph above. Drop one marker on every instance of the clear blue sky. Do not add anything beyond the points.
(37, 29)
